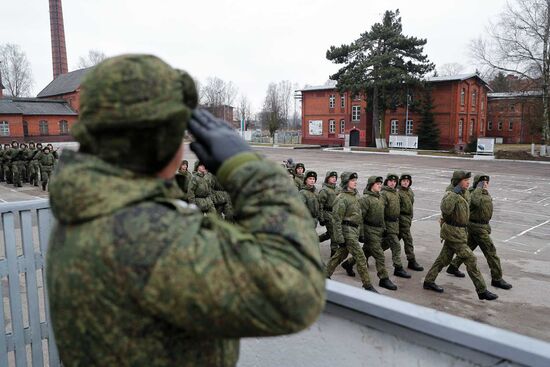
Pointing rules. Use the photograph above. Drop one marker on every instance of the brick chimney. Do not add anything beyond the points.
(1, 85)
(59, 50)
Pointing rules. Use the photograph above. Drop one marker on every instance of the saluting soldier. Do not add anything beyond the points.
(455, 214)
(309, 196)
(327, 195)
(479, 231)
(392, 209)
(347, 217)
(406, 202)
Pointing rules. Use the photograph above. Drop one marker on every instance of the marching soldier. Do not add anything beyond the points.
(327, 195)
(299, 170)
(2, 152)
(35, 165)
(392, 210)
(406, 200)
(47, 163)
(15, 155)
(199, 190)
(455, 214)
(479, 232)
(347, 218)
(29, 154)
(6, 164)
(309, 196)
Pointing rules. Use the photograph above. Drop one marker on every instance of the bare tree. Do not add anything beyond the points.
(272, 114)
(216, 92)
(15, 70)
(519, 43)
(94, 57)
(448, 69)
(244, 110)
(284, 93)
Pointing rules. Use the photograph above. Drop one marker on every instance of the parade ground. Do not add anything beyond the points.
(520, 231)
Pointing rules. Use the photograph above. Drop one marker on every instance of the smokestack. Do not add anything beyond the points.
(1, 85)
(59, 50)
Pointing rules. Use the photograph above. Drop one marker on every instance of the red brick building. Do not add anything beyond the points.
(514, 116)
(460, 108)
(66, 87)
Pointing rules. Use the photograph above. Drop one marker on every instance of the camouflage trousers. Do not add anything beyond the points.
(480, 235)
(205, 205)
(351, 246)
(225, 209)
(373, 247)
(45, 173)
(34, 173)
(2, 175)
(328, 234)
(18, 170)
(465, 255)
(391, 241)
(7, 173)
(405, 235)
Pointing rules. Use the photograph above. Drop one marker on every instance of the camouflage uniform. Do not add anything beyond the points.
(406, 201)
(327, 195)
(183, 178)
(47, 162)
(310, 198)
(220, 198)
(29, 154)
(35, 165)
(2, 152)
(479, 230)
(347, 221)
(199, 191)
(455, 214)
(6, 164)
(299, 178)
(17, 164)
(136, 278)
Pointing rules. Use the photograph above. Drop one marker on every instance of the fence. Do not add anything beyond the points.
(281, 137)
(27, 338)
(357, 328)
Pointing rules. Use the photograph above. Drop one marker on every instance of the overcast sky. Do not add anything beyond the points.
(248, 42)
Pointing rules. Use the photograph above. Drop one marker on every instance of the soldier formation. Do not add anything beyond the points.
(382, 217)
(21, 163)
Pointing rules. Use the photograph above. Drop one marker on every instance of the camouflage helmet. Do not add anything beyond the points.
(346, 177)
(133, 112)
(481, 177)
(406, 176)
(197, 164)
(391, 176)
(298, 165)
(310, 174)
(185, 161)
(330, 174)
(372, 180)
(39, 145)
(459, 176)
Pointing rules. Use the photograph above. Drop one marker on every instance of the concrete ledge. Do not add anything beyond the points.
(485, 157)
(403, 152)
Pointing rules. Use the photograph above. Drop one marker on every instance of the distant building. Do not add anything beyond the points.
(224, 112)
(67, 87)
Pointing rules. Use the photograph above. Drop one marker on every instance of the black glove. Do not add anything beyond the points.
(215, 141)
(457, 189)
(322, 223)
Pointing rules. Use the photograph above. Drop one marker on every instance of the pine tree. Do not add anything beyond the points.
(379, 63)
(428, 133)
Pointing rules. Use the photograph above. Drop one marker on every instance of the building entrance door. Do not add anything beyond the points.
(354, 138)
(25, 128)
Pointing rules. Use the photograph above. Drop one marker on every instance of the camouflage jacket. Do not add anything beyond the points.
(327, 195)
(455, 214)
(406, 201)
(481, 206)
(392, 209)
(183, 178)
(47, 160)
(199, 192)
(372, 208)
(218, 194)
(299, 181)
(311, 200)
(346, 208)
(136, 278)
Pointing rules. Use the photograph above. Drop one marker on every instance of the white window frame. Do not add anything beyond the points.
(4, 128)
(343, 101)
(409, 127)
(355, 113)
(63, 127)
(489, 125)
(44, 131)
(332, 126)
(471, 129)
(482, 126)
(460, 128)
(462, 96)
(331, 101)
(474, 97)
(394, 127)
(342, 126)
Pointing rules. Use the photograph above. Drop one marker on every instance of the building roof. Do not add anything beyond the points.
(524, 94)
(35, 106)
(64, 83)
(449, 78)
(330, 84)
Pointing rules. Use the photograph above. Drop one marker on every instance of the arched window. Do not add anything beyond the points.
(474, 98)
(4, 128)
(462, 96)
(342, 126)
(43, 125)
(460, 127)
(25, 128)
(63, 127)
(472, 127)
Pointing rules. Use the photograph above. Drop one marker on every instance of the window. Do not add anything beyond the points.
(474, 98)
(343, 101)
(409, 127)
(482, 104)
(500, 125)
(460, 126)
(471, 127)
(342, 126)
(482, 125)
(331, 126)
(4, 128)
(25, 128)
(462, 96)
(43, 125)
(512, 108)
(331, 101)
(63, 127)
(489, 125)
(394, 127)
(357, 97)
(510, 125)
(355, 113)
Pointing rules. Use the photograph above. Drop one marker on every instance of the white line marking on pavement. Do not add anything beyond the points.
(527, 230)
(429, 216)
(540, 201)
(525, 252)
(530, 189)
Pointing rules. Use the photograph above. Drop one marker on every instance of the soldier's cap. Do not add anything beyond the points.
(14, 142)
(31, 142)
(459, 176)
(374, 179)
(331, 174)
(129, 99)
(391, 176)
(38, 144)
(298, 165)
(7, 145)
(290, 160)
(185, 161)
(46, 147)
(310, 174)
(480, 177)
(346, 177)
(22, 145)
(406, 176)
(197, 164)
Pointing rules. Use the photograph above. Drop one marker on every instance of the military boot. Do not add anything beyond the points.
(501, 283)
(349, 268)
(454, 271)
(489, 296)
(400, 272)
(388, 284)
(370, 288)
(432, 287)
(413, 265)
